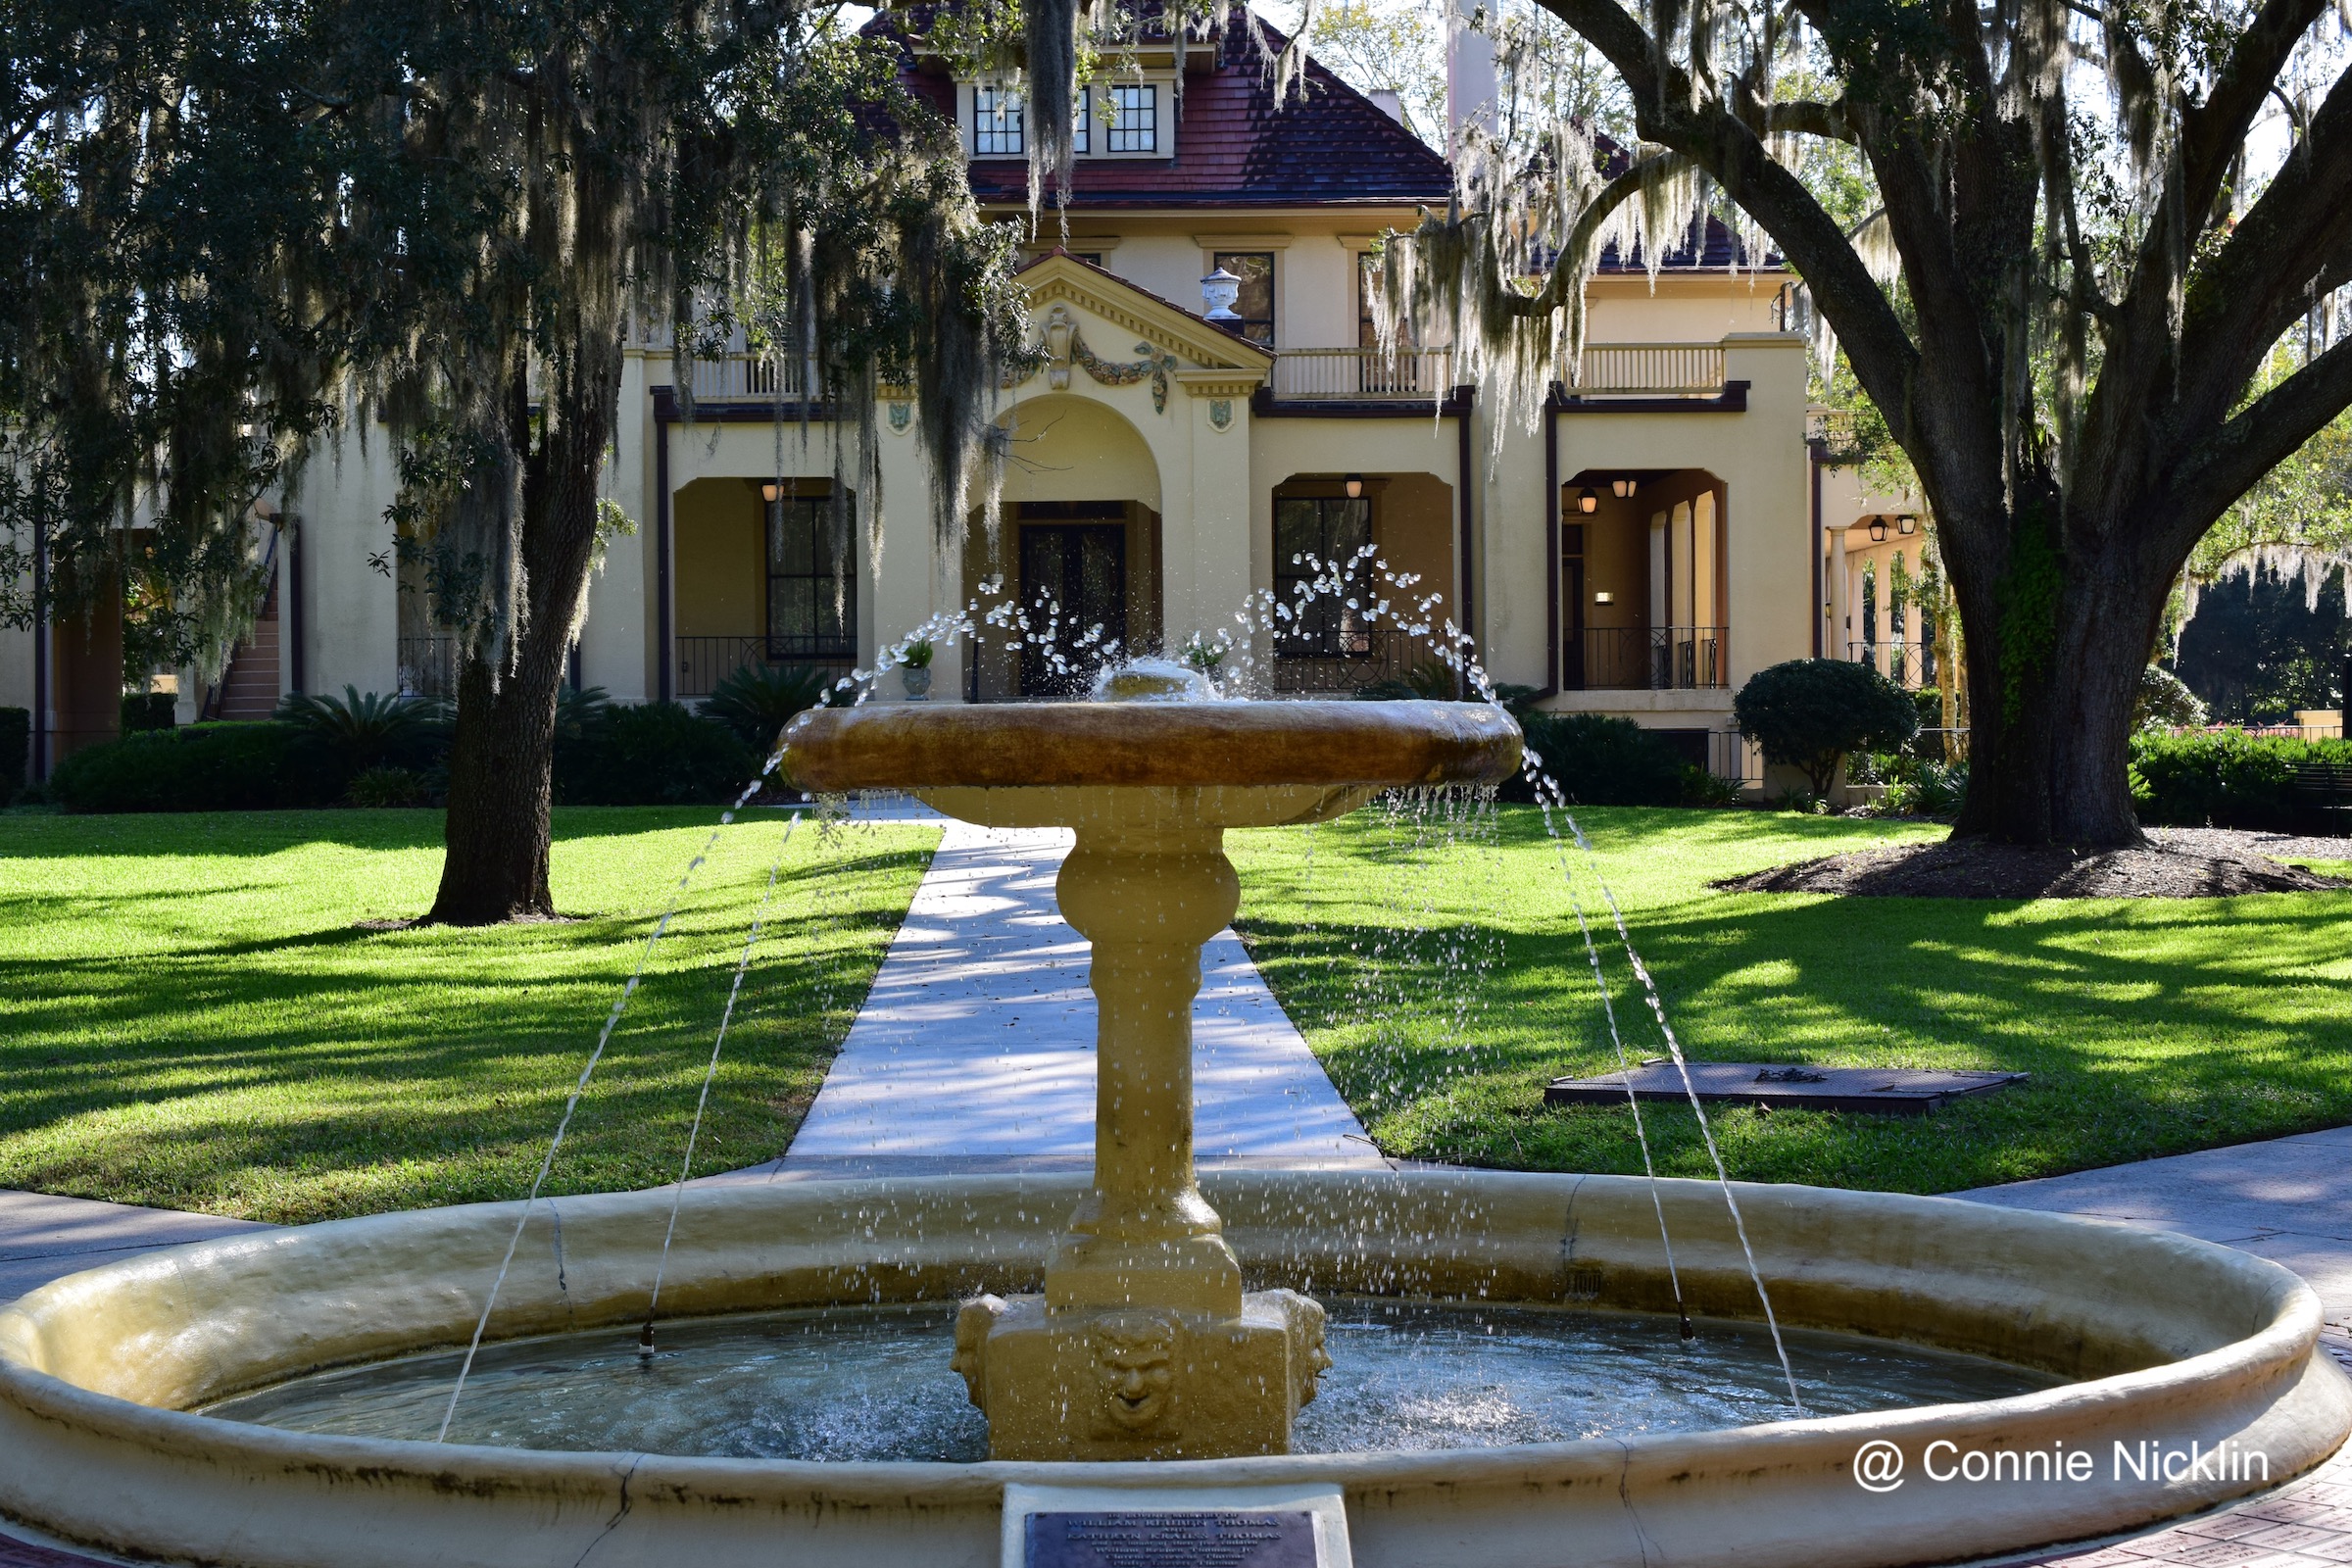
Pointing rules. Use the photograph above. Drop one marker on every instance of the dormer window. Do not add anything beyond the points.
(1133, 120)
(997, 123)
(1115, 119)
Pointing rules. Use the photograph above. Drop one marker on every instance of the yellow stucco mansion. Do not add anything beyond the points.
(1665, 530)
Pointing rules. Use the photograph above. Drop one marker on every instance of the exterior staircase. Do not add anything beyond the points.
(250, 686)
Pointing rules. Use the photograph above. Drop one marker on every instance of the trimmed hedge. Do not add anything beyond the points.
(203, 768)
(2224, 778)
(16, 750)
(652, 753)
(1599, 760)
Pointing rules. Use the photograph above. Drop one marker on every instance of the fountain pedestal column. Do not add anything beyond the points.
(1144, 1345)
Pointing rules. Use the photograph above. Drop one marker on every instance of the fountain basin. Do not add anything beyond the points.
(2167, 1340)
(1125, 745)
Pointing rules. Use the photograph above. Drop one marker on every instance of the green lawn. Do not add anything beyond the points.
(192, 1013)
(2150, 1028)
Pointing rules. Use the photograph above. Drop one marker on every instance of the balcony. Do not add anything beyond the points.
(427, 667)
(1657, 659)
(1417, 375)
(1414, 376)
(1649, 369)
(740, 378)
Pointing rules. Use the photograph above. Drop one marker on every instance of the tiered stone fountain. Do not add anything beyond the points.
(1144, 1345)
(1107, 1319)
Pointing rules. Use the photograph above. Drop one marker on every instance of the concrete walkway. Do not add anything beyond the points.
(2288, 1199)
(975, 1049)
(44, 1238)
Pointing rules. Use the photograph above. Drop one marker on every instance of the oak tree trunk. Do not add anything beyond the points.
(501, 758)
(2056, 647)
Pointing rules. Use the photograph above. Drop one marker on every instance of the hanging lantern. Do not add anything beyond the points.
(1587, 500)
(1355, 487)
(1622, 487)
(1877, 529)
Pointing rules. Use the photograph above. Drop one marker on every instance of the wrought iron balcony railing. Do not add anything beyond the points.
(1647, 659)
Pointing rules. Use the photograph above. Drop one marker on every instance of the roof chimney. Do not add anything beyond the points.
(1388, 101)
(1469, 74)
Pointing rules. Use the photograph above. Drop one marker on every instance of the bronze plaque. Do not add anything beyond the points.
(1234, 1539)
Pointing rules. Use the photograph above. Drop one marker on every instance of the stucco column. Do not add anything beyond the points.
(1206, 559)
(1768, 562)
(908, 581)
(612, 637)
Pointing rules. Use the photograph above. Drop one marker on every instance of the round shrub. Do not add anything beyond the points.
(1809, 712)
(2164, 701)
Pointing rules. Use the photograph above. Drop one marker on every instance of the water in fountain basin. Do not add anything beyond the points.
(873, 1383)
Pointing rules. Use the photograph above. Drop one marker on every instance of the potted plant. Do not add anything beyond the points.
(914, 669)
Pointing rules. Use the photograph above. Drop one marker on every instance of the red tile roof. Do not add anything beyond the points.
(1328, 145)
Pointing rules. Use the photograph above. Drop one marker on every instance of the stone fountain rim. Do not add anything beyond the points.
(2274, 1367)
(909, 745)
(2298, 1320)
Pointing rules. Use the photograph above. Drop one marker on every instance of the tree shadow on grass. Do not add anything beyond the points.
(305, 1073)
(2150, 1028)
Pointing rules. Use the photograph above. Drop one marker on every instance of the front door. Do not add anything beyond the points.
(1074, 579)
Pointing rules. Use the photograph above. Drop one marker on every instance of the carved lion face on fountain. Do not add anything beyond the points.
(1135, 1360)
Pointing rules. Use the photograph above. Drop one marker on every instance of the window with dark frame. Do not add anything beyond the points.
(997, 123)
(1256, 303)
(811, 583)
(1134, 118)
(1326, 529)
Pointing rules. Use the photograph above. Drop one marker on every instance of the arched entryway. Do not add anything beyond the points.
(1077, 545)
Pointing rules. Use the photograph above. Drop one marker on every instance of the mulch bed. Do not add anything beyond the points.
(1970, 869)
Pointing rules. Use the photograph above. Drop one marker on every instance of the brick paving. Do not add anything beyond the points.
(2306, 1523)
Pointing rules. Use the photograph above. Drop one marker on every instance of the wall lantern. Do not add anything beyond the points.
(1218, 290)
(1877, 529)
(1622, 488)
(1587, 500)
(1908, 523)
(1355, 487)
(1605, 597)
(767, 492)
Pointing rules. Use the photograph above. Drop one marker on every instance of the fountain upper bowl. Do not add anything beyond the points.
(1150, 745)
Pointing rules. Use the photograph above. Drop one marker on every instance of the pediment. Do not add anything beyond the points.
(1085, 290)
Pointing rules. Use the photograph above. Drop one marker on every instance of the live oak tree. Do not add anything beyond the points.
(2064, 305)
(703, 166)
(241, 224)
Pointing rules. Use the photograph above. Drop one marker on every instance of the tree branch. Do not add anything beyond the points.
(2265, 433)
(2213, 131)
(1566, 272)
(2239, 303)
(1715, 140)
(1825, 121)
